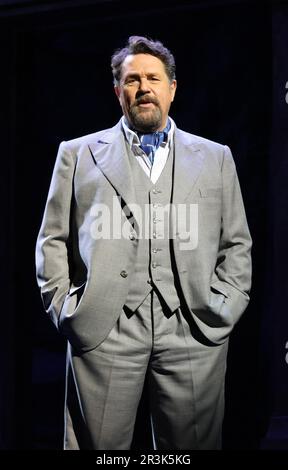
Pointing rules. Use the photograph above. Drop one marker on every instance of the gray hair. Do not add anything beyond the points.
(142, 45)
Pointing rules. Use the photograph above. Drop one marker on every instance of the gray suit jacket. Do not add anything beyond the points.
(84, 280)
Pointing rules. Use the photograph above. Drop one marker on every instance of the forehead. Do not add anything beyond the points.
(141, 63)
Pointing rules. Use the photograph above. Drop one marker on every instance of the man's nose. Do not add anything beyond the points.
(144, 85)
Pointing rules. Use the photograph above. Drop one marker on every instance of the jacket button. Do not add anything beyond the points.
(124, 274)
(132, 236)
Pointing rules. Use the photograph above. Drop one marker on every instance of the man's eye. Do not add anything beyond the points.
(131, 80)
(154, 79)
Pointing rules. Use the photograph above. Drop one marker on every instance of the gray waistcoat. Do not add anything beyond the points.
(153, 263)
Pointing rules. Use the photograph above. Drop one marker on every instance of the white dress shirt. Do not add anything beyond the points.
(161, 154)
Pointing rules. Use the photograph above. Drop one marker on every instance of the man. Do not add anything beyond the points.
(143, 260)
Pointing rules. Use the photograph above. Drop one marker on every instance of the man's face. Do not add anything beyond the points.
(145, 92)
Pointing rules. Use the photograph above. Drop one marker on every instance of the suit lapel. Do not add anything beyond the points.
(110, 156)
(188, 165)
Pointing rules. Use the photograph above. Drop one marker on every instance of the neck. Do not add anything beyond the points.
(138, 131)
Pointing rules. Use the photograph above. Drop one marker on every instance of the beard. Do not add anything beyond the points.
(145, 120)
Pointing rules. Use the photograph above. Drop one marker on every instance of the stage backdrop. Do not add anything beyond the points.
(57, 85)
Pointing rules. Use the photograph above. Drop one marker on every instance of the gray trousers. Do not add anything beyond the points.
(185, 383)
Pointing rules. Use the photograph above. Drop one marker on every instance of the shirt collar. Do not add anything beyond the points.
(133, 138)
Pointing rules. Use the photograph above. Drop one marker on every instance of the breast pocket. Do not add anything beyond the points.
(210, 192)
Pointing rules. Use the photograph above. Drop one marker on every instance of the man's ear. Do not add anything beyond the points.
(117, 91)
(173, 89)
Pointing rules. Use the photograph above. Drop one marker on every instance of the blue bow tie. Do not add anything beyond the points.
(151, 142)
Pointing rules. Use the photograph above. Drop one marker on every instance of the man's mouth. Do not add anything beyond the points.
(147, 104)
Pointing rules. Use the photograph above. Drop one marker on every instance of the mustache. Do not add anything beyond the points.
(146, 99)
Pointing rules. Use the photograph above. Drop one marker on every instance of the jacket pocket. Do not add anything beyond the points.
(217, 287)
(72, 301)
(218, 296)
(77, 289)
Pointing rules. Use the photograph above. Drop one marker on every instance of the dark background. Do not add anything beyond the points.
(56, 84)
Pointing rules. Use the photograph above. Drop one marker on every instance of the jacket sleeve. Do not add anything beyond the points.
(52, 269)
(234, 267)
